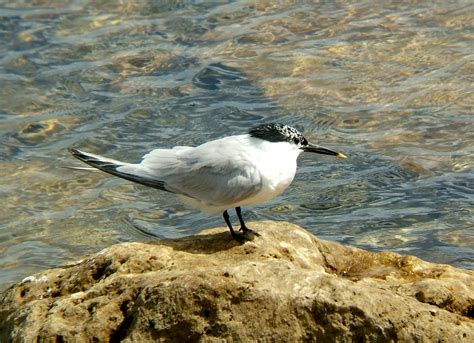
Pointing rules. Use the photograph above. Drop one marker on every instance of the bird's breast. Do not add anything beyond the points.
(277, 168)
(277, 176)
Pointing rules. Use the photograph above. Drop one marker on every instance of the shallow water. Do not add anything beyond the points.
(389, 85)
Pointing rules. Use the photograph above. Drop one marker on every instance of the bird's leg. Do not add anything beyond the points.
(229, 225)
(238, 236)
(243, 227)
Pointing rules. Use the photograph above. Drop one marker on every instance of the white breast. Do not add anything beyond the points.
(277, 166)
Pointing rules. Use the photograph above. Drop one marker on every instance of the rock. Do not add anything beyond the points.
(283, 286)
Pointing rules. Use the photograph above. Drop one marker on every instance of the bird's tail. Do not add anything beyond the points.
(128, 171)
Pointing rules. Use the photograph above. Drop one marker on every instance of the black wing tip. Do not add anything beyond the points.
(91, 160)
(111, 168)
(80, 155)
(75, 152)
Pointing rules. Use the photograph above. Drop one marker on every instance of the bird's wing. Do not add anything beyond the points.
(213, 173)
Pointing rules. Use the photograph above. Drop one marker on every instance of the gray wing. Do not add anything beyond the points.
(213, 173)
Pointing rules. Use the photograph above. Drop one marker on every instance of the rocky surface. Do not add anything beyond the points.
(285, 285)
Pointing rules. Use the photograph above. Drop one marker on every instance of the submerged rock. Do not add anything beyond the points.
(285, 285)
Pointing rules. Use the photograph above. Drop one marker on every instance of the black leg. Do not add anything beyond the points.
(238, 236)
(243, 227)
(227, 221)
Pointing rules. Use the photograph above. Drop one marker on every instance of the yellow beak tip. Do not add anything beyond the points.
(341, 155)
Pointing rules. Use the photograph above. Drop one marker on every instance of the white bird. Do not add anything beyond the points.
(226, 173)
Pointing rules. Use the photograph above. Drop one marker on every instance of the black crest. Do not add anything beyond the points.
(275, 132)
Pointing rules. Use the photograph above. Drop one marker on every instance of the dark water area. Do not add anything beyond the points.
(390, 85)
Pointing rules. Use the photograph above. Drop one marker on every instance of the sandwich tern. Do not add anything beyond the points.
(225, 173)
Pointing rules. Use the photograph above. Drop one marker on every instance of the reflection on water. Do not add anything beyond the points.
(391, 85)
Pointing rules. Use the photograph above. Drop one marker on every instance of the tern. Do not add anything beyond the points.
(225, 173)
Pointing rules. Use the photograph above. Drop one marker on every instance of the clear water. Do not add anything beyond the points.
(389, 85)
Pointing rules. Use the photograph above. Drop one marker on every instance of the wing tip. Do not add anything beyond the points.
(93, 160)
(75, 152)
(110, 166)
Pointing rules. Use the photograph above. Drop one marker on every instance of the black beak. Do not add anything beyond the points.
(322, 150)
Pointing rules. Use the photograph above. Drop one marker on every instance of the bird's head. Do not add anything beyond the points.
(275, 132)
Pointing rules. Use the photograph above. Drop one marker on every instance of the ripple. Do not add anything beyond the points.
(122, 79)
(215, 76)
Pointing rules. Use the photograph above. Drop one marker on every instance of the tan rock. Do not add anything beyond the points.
(284, 286)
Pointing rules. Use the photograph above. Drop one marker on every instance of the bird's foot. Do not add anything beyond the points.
(244, 236)
(244, 229)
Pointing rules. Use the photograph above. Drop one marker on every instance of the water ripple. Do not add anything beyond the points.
(390, 85)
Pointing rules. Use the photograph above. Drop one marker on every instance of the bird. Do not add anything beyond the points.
(230, 172)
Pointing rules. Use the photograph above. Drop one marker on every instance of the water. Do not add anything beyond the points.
(389, 85)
